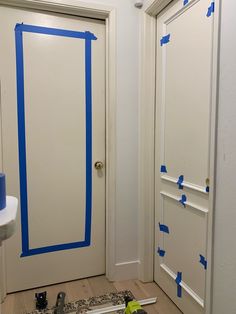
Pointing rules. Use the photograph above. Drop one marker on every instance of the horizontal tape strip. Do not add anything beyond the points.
(54, 31)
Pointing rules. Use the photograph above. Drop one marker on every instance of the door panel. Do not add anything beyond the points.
(184, 67)
(55, 116)
(55, 125)
(179, 220)
(187, 101)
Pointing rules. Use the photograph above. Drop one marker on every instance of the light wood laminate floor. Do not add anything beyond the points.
(22, 302)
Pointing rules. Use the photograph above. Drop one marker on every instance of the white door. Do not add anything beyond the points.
(52, 69)
(184, 71)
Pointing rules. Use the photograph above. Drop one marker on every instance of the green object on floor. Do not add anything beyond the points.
(133, 307)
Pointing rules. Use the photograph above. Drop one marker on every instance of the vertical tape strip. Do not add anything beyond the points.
(164, 228)
(165, 40)
(185, 2)
(180, 182)
(163, 169)
(161, 252)
(211, 9)
(88, 97)
(178, 281)
(21, 137)
(203, 261)
(183, 200)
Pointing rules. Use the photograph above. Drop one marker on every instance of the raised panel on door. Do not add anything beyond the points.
(55, 138)
(184, 71)
(185, 241)
(53, 106)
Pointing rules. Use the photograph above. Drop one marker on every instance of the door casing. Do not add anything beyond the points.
(108, 14)
(147, 141)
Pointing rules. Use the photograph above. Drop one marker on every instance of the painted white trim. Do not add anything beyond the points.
(125, 270)
(186, 184)
(183, 285)
(111, 144)
(212, 159)
(147, 139)
(146, 147)
(81, 8)
(188, 204)
(154, 7)
(109, 15)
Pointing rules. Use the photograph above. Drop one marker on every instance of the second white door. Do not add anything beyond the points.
(184, 88)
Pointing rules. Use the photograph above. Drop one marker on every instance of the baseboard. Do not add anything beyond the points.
(125, 271)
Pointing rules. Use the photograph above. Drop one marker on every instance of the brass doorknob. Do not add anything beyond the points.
(98, 165)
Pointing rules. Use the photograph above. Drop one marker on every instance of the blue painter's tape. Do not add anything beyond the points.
(185, 2)
(179, 291)
(54, 31)
(3, 202)
(165, 40)
(211, 9)
(87, 36)
(178, 281)
(55, 248)
(163, 228)
(21, 139)
(180, 182)
(203, 261)
(183, 200)
(161, 252)
(88, 97)
(207, 189)
(163, 169)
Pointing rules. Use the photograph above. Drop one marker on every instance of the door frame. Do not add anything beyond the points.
(147, 142)
(108, 14)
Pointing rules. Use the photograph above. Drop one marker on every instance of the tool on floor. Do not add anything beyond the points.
(133, 306)
(114, 308)
(60, 303)
(41, 300)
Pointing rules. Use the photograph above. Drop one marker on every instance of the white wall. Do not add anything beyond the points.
(127, 130)
(224, 276)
